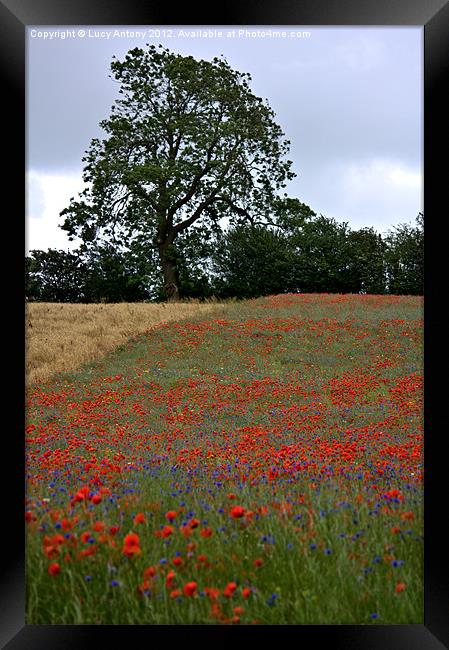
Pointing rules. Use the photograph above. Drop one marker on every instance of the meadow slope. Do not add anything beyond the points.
(258, 464)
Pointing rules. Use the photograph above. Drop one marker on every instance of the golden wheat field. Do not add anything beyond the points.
(62, 336)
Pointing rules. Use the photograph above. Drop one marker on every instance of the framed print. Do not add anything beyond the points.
(276, 462)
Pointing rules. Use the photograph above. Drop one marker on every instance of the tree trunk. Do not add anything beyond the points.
(170, 276)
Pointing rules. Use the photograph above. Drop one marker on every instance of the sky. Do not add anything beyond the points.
(349, 99)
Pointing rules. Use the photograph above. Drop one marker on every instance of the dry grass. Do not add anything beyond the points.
(61, 337)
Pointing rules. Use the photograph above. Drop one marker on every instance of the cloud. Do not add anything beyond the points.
(377, 192)
(46, 196)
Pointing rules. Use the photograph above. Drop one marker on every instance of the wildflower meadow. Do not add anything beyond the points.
(262, 464)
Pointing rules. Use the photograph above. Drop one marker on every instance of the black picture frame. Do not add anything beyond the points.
(433, 15)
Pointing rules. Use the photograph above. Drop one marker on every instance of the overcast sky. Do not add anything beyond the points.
(350, 100)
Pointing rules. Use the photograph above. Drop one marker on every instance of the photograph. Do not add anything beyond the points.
(224, 284)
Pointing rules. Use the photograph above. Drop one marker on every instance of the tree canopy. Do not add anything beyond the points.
(188, 143)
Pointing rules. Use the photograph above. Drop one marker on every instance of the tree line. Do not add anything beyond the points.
(305, 253)
(183, 198)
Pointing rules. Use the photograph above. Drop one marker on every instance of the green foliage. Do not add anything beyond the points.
(405, 258)
(55, 276)
(251, 261)
(187, 143)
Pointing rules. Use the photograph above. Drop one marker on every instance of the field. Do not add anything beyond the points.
(258, 464)
(61, 337)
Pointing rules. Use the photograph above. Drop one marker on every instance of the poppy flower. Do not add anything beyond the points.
(166, 531)
(237, 512)
(98, 526)
(177, 561)
(246, 592)
(194, 523)
(258, 562)
(175, 593)
(206, 532)
(54, 568)
(400, 587)
(229, 589)
(170, 515)
(139, 519)
(96, 499)
(85, 537)
(189, 588)
(170, 578)
(131, 545)
(212, 592)
(149, 572)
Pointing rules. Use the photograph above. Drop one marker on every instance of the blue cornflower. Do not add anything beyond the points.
(328, 551)
(272, 599)
(115, 583)
(87, 578)
(312, 547)
(374, 615)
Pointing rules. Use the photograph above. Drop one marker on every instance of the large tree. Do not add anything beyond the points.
(188, 143)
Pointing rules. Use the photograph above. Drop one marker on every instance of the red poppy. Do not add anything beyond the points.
(212, 592)
(194, 523)
(96, 499)
(175, 593)
(149, 572)
(170, 515)
(98, 526)
(85, 537)
(139, 518)
(170, 578)
(237, 512)
(54, 568)
(131, 545)
(258, 562)
(229, 589)
(190, 588)
(400, 587)
(177, 561)
(206, 532)
(246, 592)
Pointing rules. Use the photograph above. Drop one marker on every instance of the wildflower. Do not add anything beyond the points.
(237, 512)
(131, 545)
(96, 499)
(170, 515)
(374, 615)
(149, 572)
(177, 561)
(212, 592)
(170, 578)
(258, 562)
(189, 588)
(139, 519)
(98, 526)
(400, 586)
(194, 523)
(54, 568)
(206, 532)
(115, 583)
(229, 589)
(165, 532)
(176, 593)
(85, 537)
